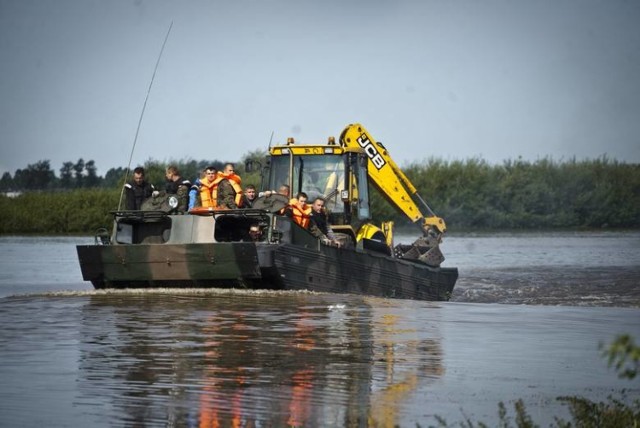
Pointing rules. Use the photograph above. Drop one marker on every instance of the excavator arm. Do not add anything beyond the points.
(392, 183)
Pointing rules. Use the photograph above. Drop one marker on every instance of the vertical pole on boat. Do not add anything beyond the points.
(144, 106)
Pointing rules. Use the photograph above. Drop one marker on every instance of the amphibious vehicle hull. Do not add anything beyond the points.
(153, 249)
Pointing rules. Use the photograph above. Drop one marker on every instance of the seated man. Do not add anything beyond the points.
(299, 210)
(249, 196)
(319, 225)
(255, 233)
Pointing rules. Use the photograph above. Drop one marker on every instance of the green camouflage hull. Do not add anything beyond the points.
(263, 266)
(176, 251)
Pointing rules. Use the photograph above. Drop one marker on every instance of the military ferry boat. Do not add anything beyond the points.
(211, 247)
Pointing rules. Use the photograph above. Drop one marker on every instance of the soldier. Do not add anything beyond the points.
(319, 226)
(137, 190)
(179, 187)
(229, 192)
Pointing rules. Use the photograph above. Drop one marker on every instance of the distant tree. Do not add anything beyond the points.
(66, 175)
(92, 179)
(6, 183)
(189, 169)
(18, 182)
(78, 168)
(37, 176)
(155, 173)
(114, 178)
(258, 157)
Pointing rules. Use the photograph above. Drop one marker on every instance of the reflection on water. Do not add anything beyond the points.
(228, 360)
(224, 358)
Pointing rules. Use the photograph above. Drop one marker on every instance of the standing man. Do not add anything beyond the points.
(205, 190)
(137, 190)
(249, 196)
(194, 198)
(179, 187)
(229, 191)
(319, 225)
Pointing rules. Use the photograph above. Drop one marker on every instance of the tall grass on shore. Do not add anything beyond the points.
(74, 212)
(470, 194)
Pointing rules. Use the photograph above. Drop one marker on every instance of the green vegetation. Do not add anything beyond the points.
(80, 211)
(624, 355)
(518, 194)
(467, 194)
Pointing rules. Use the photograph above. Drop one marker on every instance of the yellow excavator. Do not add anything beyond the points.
(340, 173)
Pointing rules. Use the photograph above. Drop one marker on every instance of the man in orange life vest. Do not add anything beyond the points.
(206, 186)
(298, 210)
(229, 189)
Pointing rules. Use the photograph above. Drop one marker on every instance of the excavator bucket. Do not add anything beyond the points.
(424, 249)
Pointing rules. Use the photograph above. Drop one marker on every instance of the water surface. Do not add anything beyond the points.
(525, 321)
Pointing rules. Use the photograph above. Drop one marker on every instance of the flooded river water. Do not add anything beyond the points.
(524, 322)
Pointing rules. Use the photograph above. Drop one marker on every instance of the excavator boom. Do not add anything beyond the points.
(391, 181)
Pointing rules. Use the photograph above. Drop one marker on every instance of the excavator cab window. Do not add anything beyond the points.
(320, 176)
(278, 172)
(316, 175)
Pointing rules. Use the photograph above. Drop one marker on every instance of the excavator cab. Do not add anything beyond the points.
(334, 173)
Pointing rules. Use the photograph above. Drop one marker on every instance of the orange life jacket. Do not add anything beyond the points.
(207, 196)
(302, 215)
(236, 183)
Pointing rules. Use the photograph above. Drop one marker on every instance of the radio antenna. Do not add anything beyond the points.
(144, 106)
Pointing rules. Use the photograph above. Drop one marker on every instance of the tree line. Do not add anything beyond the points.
(83, 175)
(468, 194)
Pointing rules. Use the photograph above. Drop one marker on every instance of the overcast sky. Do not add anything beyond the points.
(496, 79)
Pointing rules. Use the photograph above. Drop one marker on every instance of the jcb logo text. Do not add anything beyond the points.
(371, 151)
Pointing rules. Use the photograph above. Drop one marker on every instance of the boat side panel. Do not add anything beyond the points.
(139, 263)
(340, 271)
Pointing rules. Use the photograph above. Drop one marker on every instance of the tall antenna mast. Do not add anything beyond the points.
(144, 106)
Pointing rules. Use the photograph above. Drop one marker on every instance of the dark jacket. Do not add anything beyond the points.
(319, 226)
(136, 194)
(246, 203)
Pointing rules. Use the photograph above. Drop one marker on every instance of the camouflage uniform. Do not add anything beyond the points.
(226, 195)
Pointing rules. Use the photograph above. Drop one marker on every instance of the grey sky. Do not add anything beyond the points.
(495, 79)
